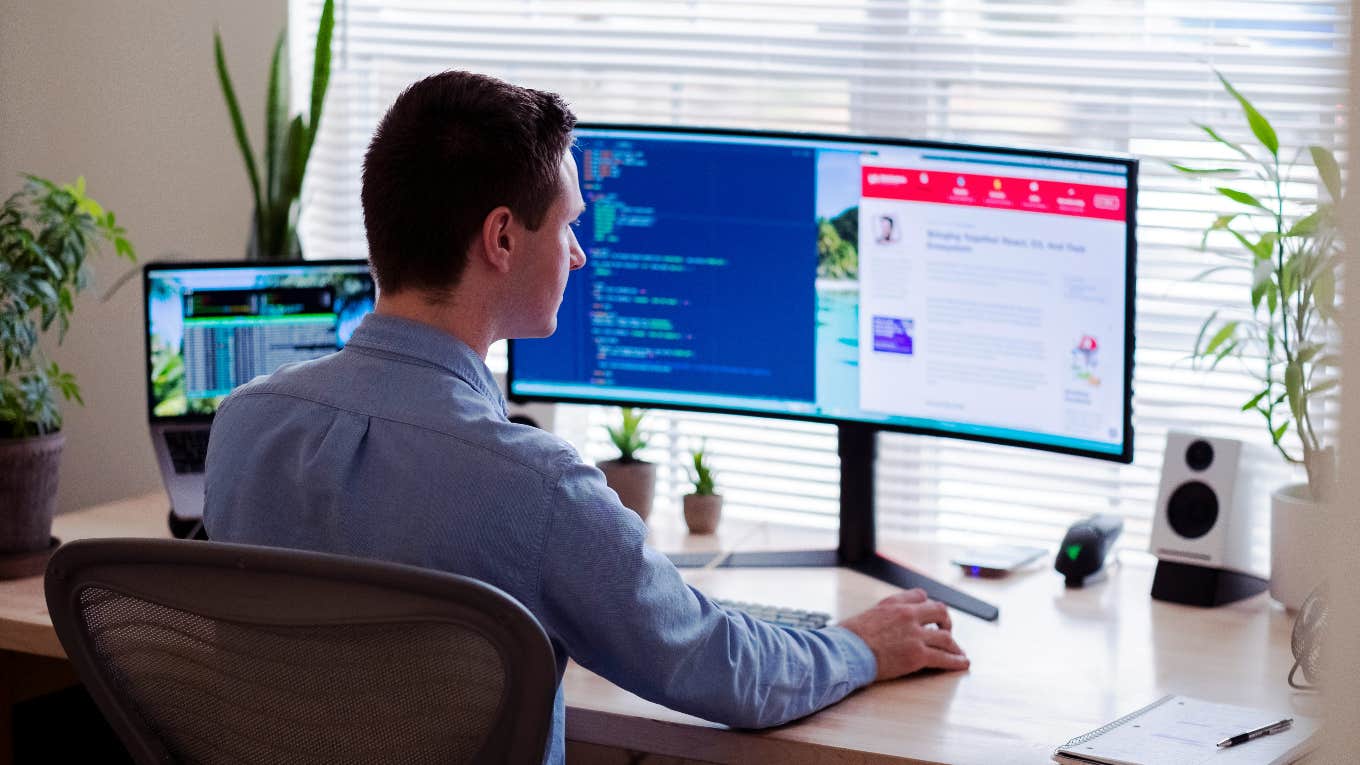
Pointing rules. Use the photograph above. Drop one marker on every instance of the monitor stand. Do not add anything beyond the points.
(857, 445)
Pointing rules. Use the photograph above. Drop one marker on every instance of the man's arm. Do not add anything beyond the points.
(621, 610)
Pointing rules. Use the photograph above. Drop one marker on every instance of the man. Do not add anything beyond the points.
(398, 446)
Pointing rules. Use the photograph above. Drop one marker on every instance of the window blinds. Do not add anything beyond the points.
(1126, 77)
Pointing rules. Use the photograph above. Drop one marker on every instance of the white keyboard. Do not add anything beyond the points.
(785, 617)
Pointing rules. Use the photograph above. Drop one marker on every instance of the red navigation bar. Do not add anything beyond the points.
(995, 191)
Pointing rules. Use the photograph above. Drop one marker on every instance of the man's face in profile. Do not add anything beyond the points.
(551, 253)
(885, 229)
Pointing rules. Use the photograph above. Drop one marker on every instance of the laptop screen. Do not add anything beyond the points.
(211, 327)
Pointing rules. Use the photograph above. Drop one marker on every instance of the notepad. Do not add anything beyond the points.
(1186, 731)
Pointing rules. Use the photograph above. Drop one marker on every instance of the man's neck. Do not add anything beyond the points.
(446, 313)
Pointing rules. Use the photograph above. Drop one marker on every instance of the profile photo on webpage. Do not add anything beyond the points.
(886, 230)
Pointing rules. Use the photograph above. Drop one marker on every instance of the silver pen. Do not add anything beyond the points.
(1264, 730)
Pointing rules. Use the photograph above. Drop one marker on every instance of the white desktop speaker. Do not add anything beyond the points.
(1201, 533)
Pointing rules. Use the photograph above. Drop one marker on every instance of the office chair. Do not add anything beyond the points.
(207, 652)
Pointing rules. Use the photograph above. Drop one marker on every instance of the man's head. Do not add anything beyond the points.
(885, 228)
(454, 148)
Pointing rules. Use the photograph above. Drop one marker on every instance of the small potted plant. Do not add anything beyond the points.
(46, 231)
(1292, 250)
(633, 479)
(703, 507)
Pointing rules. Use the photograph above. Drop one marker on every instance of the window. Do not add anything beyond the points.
(1078, 74)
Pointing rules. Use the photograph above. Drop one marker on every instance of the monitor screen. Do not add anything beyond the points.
(212, 327)
(974, 292)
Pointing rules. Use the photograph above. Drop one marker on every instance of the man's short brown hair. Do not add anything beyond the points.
(453, 147)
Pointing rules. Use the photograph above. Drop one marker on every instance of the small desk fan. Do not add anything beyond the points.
(1306, 640)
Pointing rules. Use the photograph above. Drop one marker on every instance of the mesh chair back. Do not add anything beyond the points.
(204, 652)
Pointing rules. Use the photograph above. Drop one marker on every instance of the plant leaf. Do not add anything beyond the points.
(1307, 353)
(1327, 168)
(1293, 385)
(275, 121)
(1235, 147)
(1242, 239)
(1208, 271)
(1242, 197)
(1226, 171)
(237, 124)
(1255, 400)
(1306, 226)
(1202, 329)
(1289, 275)
(1223, 353)
(1221, 336)
(1278, 433)
(1220, 223)
(1324, 294)
(1260, 126)
(1261, 271)
(1265, 246)
(321, 73)
(1324, 386)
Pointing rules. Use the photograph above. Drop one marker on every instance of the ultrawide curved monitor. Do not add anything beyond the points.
(974, 292)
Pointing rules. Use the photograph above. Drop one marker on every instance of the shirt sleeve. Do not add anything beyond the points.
(621, 610)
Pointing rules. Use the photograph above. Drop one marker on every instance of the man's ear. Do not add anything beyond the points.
(498, 238)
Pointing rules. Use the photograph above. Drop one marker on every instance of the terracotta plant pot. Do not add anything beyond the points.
(702, 512)
(634, 482)
(1298, 530)
(28, 491)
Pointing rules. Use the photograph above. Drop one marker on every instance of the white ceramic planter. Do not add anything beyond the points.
(1298, 533)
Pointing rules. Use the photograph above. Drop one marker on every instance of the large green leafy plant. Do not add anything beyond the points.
(287, 144)
(1293, 252)
(46, 232)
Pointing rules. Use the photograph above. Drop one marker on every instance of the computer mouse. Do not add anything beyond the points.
(1081, 557)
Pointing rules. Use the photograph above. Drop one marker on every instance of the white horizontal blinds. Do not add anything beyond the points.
(1081, 74)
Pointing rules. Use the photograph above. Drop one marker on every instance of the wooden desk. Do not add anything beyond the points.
(1058, 663)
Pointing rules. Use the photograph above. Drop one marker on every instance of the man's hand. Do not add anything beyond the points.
(908, 632)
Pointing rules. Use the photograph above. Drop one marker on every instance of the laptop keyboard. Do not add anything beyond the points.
(188, 448)
(784, 617)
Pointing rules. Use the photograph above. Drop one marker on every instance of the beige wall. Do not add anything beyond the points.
(1343, 638)
(125, 93)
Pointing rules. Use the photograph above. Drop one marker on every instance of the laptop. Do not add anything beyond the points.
(211, 327)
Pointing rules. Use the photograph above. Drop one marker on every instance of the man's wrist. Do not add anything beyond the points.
(860, 660)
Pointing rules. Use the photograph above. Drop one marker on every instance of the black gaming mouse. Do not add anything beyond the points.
(1081, 558)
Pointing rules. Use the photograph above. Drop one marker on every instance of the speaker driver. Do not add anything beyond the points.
(1199, 456)
(1192, 509)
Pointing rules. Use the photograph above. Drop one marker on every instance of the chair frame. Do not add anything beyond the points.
(271, 586)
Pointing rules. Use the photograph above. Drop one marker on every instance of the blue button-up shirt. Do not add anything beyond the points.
(398, 448)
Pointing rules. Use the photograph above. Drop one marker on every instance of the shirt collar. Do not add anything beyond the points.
(422, 342)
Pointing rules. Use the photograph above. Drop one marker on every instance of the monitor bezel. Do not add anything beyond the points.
(1130, 163)
(241, 265)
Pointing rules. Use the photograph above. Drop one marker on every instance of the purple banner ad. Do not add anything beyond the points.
(892, 335)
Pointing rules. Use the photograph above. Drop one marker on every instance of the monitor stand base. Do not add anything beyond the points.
(876, 566)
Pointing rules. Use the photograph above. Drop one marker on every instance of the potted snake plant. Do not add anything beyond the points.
(288, 144)
(46, 232)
